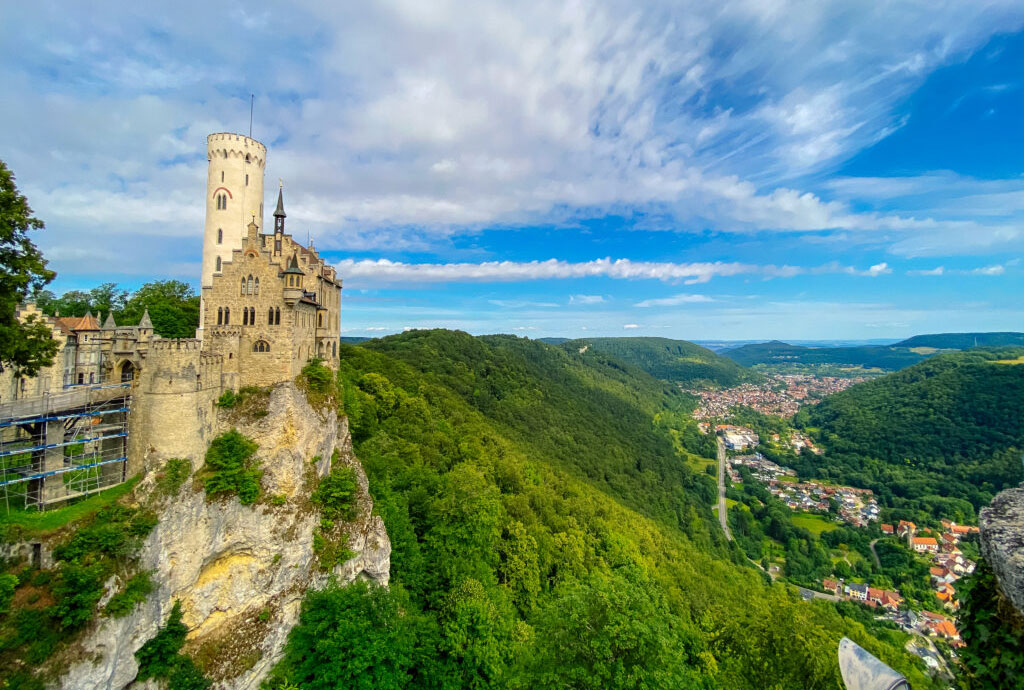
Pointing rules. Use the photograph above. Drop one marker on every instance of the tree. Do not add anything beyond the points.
(25, 345)
(173, 308)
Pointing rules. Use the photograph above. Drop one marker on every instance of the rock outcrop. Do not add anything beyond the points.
(1002, 542)
(239, 571)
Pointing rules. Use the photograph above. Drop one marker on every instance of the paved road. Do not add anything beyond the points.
(722, 516)
(810, 593)
(874, 554)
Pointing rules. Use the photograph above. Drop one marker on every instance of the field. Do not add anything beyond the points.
(815, 524)
(1019, 360)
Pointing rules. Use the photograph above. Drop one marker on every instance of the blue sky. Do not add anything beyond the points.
(731, 170)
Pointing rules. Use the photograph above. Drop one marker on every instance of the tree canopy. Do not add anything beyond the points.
(26, 345)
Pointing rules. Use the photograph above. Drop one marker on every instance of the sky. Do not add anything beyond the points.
(748, 169)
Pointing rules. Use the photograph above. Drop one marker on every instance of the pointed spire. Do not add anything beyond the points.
(109, 324)
(279, 212)
(145, 322)
(293, 265)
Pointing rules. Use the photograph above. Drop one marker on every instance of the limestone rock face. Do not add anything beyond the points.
(1002, 542)
(240, 572)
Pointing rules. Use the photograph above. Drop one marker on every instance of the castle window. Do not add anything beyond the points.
(227, 315)
(320, 320)
(243, 285)
(220, 316)
(334, 350)
(220, 235)
(221, 175)
(257, 287)
(270, 316)
(261, 346)
(248, 289)
(218, 265)
(277, 316)
(247, 180)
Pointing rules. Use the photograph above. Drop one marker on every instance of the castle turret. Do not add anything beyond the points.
(234, 194)
(293, 276)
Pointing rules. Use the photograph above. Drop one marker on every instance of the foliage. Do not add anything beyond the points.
(173, 305)
(135, 591)
(173, 475)
(319, 383)
(7, 584)
(939, 439)
(26, 346)
(993, 632)
(335, 494)
(161, 658)
(231, 468)
(963, 341)
(25, 524)
(249, 402)
(518, 480)
(678, 361)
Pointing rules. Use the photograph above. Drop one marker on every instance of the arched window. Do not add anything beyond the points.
(270, 316)
(320, 320)
(220, 235)
(246, 180)
(243, 285)
(220, 316)
(261, 346)
(227, 315)
(257, 287)
(252, 316)
(249, 288)
(334, 350)
(221, 175)
(218, 265)
(277, 316)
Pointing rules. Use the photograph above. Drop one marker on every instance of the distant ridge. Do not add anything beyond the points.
(963, 341)
(777, 352)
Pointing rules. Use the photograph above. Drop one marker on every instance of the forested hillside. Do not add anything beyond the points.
(951, 426)
(547, 533)
(963, 341)
(677, 361)
(869, 356)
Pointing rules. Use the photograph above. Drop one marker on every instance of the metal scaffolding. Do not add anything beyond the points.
(58, 447)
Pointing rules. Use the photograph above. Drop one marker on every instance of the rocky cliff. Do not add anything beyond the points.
(1002, 542)
(240, 572)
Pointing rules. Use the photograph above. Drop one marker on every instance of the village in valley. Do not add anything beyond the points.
(838, 505)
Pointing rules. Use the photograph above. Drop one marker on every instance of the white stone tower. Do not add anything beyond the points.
(234, 195)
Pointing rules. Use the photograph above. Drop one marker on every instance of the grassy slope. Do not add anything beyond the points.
(568, 446)
(678, 361)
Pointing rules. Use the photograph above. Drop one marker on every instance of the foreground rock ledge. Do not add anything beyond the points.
(1002, 542)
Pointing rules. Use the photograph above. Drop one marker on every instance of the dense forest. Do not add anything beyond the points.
(678, 361)
(547, 533)
(941, 437)
(868, 356)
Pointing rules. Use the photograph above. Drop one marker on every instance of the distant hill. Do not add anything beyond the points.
(353, 339)
(963, 341)
(553, 341)
(777, 352)
(943, 427)
(678, 361)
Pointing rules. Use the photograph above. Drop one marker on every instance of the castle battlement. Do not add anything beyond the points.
(176, 344)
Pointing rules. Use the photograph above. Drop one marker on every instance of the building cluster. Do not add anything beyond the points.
(857, 507)
(737, 437)
(948, 564)
(761, 467)
(781, 396)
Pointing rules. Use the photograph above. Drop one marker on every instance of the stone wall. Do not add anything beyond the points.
(1002, 542)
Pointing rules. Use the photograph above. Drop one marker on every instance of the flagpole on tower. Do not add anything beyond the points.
(252, 99)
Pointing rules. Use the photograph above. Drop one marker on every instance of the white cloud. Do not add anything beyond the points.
(995, 270)
(629, 326)
(937, 271)
(674, 301)
(586, 299)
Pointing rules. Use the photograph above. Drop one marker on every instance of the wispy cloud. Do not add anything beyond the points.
(993, 270)
(586, 299)
(674, 301)
(630, 326)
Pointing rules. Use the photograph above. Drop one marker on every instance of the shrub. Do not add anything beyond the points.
(161, 657)
(173, 476)
(135, 592)
(231, 469)
(249, 401)
(319, 383)
(227, 399)
(7, 584)
(336, 494)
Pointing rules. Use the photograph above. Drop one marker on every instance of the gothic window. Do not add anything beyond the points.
(221, 175)
(243, 285)
(252, 316)
(245, 316)
(270, 316)
(220, 235)
(261, 346)
(227, 315)
(249, 288)
(247, 180)
(257, 287)
(218, 264)
(277, 316)
(220, 316)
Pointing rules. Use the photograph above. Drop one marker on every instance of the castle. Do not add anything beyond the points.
(268, 306)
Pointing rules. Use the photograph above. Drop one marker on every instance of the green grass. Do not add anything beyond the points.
(1019, 360)
(36, 523)
(815, 524)
(788, 478)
